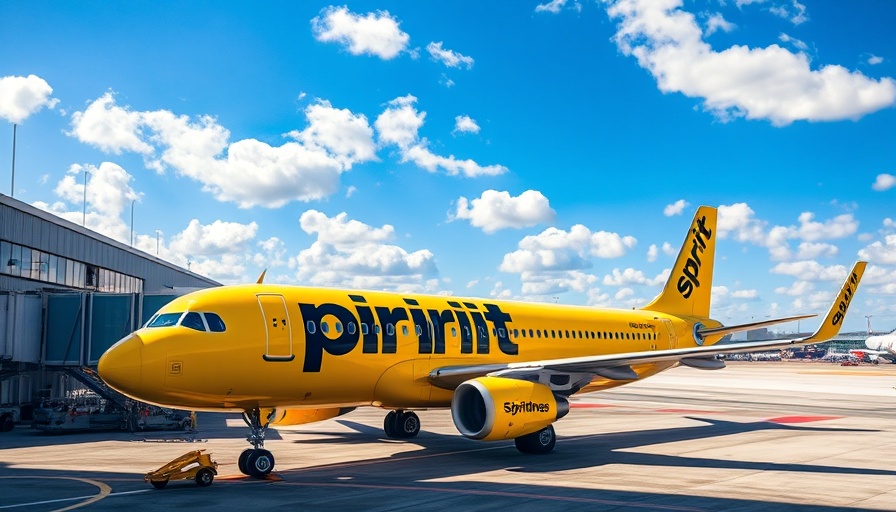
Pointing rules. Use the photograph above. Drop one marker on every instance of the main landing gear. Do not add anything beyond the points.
(401, 425)
(256, 461)
(537, 443)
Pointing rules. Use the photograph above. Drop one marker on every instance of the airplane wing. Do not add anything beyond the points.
(618, 366)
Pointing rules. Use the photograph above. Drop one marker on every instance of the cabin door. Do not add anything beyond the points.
(670, 331)
(278, 335)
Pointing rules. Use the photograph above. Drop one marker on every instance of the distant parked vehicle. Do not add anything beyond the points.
(9, 416)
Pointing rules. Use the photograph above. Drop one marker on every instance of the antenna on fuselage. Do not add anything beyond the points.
(261, 277)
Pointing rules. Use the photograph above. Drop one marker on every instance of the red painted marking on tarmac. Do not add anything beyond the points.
(580, 405)
(801, 419)
(687, 411)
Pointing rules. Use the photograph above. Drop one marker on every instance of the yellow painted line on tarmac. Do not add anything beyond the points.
(105, 490)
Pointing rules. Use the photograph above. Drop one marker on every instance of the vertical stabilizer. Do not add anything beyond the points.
(688, 290)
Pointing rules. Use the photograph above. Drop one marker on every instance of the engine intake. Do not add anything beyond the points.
(497, 408)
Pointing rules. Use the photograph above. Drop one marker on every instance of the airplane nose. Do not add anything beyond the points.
(121, 365)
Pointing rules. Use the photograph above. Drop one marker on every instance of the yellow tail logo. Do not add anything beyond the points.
(688, 290)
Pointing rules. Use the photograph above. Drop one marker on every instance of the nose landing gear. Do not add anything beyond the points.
(256, 461)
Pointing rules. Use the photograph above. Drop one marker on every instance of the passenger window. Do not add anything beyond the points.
(538, 332)
(418, 330)
(531, 334)
(215, 324)
(338, 326)
(193, 320)
(309, 326)
(454, 332)
(351, 328)
(165, 320)
(364, 329)
(404, 330)
(324, 327)
(573, 334)
(553, 333)
(501, 333)
(516, 333)
(390, 329)
(376, 328)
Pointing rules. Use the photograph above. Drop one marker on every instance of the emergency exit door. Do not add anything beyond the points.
(278, 334)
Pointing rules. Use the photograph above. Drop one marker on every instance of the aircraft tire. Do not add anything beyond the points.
(241, 462)
(205, 477)
(6, 423)
(260, 463)
(159, 484)
(537, 443)
(408, 425)
(390, 425)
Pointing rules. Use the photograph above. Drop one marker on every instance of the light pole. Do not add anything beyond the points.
(84, 215)
(12, 187)
(158, 233)
(131, 239)
(868, 319)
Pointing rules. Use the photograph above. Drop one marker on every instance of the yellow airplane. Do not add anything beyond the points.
(286, 355)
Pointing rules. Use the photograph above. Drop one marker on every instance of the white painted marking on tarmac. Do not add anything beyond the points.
(61, 500)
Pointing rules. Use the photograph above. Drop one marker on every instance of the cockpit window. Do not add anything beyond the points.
(165, 320)
(215, 324)
(194, 321)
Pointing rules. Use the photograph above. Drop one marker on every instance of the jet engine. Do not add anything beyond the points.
(496, 408)
(283, 417)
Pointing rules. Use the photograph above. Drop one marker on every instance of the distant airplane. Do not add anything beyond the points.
(286, 355)
(878, 346)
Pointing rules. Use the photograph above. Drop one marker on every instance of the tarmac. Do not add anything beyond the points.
(754, 436)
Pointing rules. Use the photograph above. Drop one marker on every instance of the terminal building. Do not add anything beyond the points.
(66, 295)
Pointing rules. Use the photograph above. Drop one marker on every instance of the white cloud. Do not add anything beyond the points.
(554, 6)
(884, 182)
(353, 254)
(248, 172)
(553, 261)
(875, 60)
(109, 127)
(800, 45)
(273, 253)
(447, 57)
(465, 124)
(399, 124)
(675, 208)
(630, 277)
(757, 83)
(745, 294)
(880, 252)
(739, 221)
(652, 253)
(798, 288)
(375, 34)
(810, 271)
(21, 96)
(669, 249)
(716, 22)
(213, 239)
(496, 210)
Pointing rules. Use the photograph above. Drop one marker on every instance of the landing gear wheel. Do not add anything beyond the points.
(241, 462)
(408, 425)
(259, 463)
(390, 425)
(537, 443)
(159, 484)
(205, 477)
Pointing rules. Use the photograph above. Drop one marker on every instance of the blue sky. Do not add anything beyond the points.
(522, 150)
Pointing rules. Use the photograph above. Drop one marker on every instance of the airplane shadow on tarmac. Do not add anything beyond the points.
(574, 452)
(440, 476)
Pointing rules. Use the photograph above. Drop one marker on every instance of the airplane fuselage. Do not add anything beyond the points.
(284, 346)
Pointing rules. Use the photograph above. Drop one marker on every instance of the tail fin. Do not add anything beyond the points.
(688, 290)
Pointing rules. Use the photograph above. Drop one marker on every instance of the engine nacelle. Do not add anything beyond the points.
(497, 408)
(283, 417)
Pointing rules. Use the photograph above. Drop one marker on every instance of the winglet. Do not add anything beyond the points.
(261, 277)
(834, 319)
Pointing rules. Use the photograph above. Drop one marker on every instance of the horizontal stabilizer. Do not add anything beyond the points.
(723, 330)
